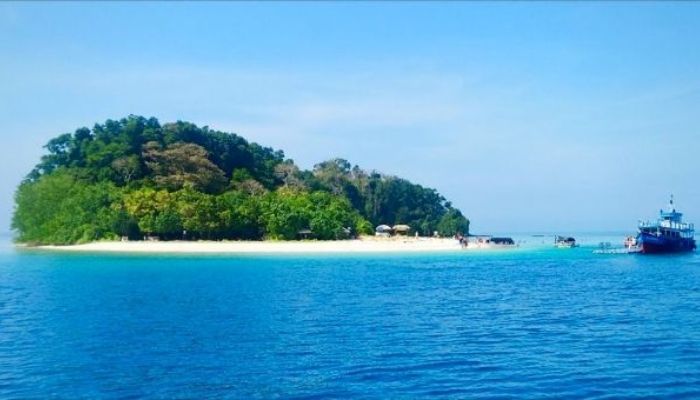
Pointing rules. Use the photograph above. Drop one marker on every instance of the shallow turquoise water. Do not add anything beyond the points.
(528, 323)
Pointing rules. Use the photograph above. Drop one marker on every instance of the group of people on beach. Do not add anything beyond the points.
(463, 241)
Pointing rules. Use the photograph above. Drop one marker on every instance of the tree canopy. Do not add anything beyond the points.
(135, 177)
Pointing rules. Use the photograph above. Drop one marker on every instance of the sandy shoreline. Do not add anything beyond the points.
(367, 245)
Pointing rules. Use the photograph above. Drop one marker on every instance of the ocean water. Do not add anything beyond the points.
(527, 323)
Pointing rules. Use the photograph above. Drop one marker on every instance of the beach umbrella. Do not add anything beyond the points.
(402, 228)
(383, 228)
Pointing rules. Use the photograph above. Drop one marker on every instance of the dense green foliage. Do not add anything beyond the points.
(135, 177)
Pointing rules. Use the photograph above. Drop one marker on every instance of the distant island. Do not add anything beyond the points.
(137, 179)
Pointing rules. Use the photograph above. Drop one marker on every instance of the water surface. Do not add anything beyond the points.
(533, 322)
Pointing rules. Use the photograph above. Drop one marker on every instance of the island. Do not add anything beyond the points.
(137, 180)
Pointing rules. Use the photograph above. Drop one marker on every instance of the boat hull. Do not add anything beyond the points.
(652, 244)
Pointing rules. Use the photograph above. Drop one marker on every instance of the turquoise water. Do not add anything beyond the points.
(529, 323)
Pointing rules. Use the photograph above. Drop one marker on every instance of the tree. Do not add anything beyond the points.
(240, 214)
(180, 164)
(58, 209)
(127, 168)
(333, 174)
(252, 187)
(332, 217)
(284, 213)
(59, 149)
(200, 213)
(452, 223)
(155, 211)
(289, 174)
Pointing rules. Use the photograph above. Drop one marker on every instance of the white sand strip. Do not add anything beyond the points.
(335, 246)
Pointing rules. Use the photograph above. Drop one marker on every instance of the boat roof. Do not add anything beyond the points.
(672, 215)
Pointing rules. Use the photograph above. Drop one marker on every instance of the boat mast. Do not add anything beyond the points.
(671, 207)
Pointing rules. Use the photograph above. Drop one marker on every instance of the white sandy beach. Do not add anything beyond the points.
(364, 245)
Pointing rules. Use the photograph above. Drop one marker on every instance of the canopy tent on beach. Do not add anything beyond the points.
(401, 229)
(305, 234)
(383, 230)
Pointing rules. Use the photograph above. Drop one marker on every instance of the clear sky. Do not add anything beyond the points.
(528, 116)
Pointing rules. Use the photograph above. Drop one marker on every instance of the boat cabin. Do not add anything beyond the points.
(670, 224)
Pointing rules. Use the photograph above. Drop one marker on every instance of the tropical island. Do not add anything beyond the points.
(136, 179)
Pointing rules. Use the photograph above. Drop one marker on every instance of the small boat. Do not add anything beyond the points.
(668, 234)
(563, 242)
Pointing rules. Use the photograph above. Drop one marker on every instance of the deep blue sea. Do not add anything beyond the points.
(533, 322)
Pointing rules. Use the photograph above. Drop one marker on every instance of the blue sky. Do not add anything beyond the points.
(528, 116)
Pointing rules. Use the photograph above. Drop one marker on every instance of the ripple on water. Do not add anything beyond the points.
(527, 325)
